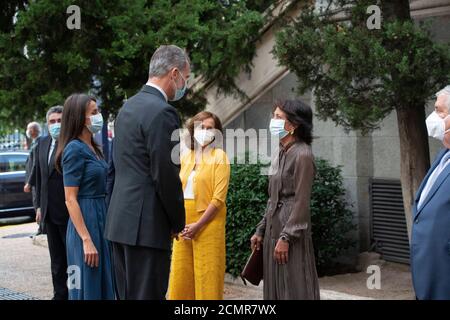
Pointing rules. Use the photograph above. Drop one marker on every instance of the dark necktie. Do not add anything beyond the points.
(52, 157)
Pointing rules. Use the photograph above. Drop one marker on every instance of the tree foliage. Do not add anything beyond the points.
(42, 61)
(359, 75)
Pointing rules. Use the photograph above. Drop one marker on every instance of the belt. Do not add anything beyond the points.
(283, 202)
(94, 196)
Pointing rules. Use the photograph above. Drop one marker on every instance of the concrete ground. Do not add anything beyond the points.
(25, 268)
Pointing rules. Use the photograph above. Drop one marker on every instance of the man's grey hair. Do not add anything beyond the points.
(445, 91)
(55, 109)
(165, 59)
(34, 125)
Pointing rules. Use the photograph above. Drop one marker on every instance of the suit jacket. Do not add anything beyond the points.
(30, 163)
(147, 201)
(29, 171)
(430, 240)
(111, 176)
(49, 185)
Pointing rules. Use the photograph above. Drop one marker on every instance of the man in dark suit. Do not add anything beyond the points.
(430, 240)
(147, 206)
(51, 207)
(33, 133)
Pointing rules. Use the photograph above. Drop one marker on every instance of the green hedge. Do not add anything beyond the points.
(246, 203)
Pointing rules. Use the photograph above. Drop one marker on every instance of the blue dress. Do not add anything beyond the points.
(82, 169)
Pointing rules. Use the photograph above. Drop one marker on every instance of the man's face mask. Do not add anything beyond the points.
(54, 130)
(436, 126)
(179, 93)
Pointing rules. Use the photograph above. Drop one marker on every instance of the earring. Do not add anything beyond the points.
(291, 132)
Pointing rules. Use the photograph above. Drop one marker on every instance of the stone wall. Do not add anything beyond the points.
(362, 158)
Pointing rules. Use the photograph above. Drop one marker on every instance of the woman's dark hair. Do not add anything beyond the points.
(299, 114)
(198, 118)
(72, 124)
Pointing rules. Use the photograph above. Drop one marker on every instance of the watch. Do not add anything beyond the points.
(284, 238)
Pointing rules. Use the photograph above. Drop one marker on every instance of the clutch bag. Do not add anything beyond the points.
(253, 270)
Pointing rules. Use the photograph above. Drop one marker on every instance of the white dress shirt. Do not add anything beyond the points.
(158, 88)
(433, 177)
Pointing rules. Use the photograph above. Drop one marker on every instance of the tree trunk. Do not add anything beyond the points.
(414, 154)
(414, 149)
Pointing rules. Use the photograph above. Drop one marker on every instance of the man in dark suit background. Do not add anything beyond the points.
(51, 210)
(147, 206)
(33, 133)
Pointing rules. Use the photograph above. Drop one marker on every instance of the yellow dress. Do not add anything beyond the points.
(198, 265)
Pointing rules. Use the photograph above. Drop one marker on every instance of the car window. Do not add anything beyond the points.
(12, 162)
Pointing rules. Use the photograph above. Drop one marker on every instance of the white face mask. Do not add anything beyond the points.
(436, 126)
(276, 128)
(96, 123)
(203, 136)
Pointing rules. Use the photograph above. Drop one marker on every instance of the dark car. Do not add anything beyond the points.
(14, 202)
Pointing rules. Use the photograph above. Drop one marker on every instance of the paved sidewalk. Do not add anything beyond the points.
(25, 268)
(236, 290)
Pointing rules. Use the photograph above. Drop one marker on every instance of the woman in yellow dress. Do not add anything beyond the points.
(198, 258)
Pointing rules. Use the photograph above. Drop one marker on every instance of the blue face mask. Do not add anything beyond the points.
(179, 93)
(54, 130)
(96, 123)
(277, 128)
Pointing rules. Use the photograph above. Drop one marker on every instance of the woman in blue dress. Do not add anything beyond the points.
(90, 274)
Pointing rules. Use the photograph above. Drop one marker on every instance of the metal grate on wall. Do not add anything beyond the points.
(388, 223)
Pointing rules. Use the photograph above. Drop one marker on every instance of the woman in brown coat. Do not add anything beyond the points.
(285, 230)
